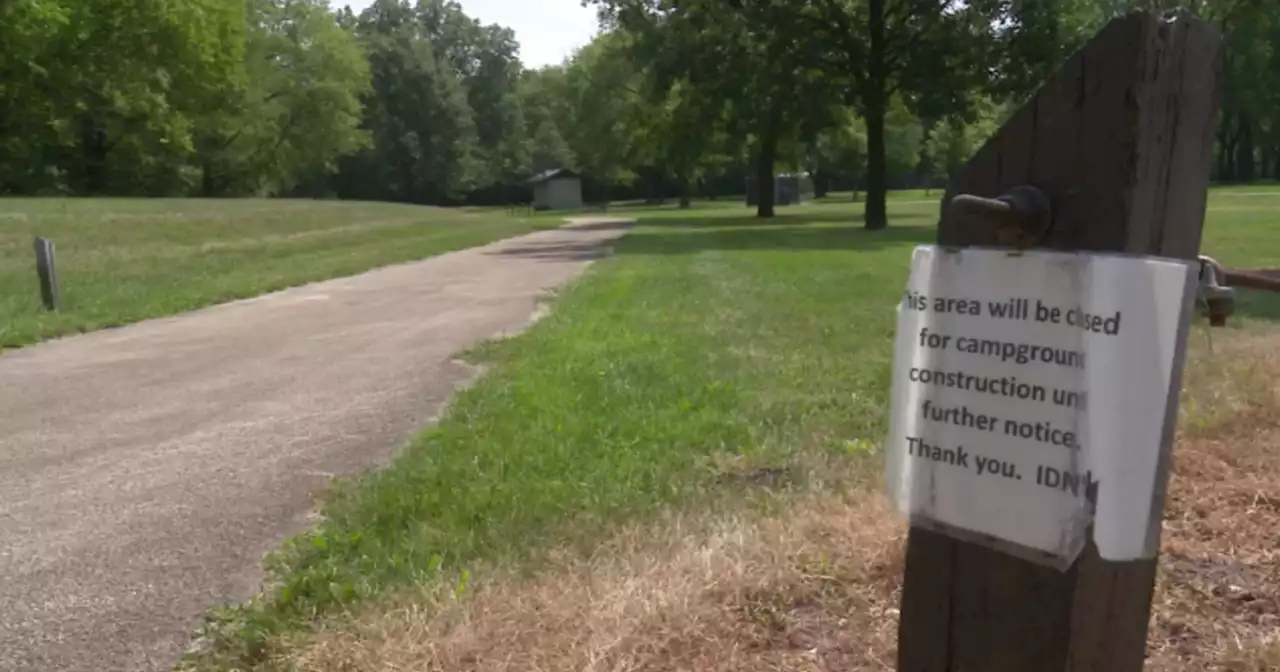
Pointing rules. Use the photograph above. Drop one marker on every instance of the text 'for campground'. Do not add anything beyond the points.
(1023, 354)
(1000, 361)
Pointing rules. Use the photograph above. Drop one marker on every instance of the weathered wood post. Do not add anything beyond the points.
(48, 272)
(1120, 139)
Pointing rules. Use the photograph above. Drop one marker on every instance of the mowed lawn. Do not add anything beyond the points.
(124, 260)
(715, 361)
(1242, 231)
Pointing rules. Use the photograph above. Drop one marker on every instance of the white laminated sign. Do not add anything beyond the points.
(1031, 395)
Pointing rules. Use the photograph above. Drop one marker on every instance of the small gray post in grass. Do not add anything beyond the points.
(48, 273)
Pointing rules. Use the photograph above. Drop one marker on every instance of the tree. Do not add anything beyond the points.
(543, 95)
(300, 110)
(605, 111)
(742, 59)
(106, 92)
(950, 143)
(1249, 126)
(28, 84)
(1034, 37)
(413, 100)
(839, 153)
(145, 71)
(494, 95)
(927, 52)
(484, 60)
(425, 146)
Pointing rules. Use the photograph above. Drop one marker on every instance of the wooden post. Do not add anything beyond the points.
(1121, 140)
(48, 272)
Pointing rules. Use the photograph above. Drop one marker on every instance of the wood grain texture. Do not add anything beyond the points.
(1121, 139)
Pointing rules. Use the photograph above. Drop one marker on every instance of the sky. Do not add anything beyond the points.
(548, 30)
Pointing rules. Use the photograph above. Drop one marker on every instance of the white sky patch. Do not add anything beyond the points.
(549, 31)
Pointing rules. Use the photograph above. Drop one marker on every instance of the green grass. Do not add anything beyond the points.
(1242, 230)
(124, 260)
(711, 347)
(708, 348)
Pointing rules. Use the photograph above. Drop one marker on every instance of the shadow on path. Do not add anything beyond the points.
(559, 249)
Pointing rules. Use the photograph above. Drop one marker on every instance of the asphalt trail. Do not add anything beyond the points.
(146, 470)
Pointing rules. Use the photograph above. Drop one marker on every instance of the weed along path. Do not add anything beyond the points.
(145, 471)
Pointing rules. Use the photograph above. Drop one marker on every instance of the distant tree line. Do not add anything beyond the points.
(417, 102)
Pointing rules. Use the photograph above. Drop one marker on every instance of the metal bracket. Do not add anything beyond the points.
(1022, 217)
(1219, 300)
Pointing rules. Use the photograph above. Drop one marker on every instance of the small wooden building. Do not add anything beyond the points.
(557, 189)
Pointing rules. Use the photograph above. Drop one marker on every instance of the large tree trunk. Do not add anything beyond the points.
(821, 182)
(93, 149)
(1226, 149)
(654, 192)
(206, 178)
(874, 100)
(877, 179)
(1223, 168)
(764, 168)
(1244, 149)
(685, 201)
(764, 178)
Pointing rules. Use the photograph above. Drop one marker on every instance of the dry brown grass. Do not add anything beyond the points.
(813, 592)
(1217, 604)
(817, 589)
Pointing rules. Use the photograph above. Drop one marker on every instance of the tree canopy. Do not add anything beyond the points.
(416, 101)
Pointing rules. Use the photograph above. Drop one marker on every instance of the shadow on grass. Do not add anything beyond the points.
(599, 226)
(791, 231)
(782, 219)
(784, 232)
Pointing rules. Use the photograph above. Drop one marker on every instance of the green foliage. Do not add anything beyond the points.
(1248, 137)
(28, 29)
(413, 100)
(950, 143)
(544, 94)
(300, 109)
(425, 141)
(103, 95)
(606, 109)
(452, 111)
(173, 97)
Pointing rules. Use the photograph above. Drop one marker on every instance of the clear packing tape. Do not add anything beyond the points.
(1034, 396)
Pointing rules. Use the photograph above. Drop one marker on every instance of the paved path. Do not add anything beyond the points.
(144, 471)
